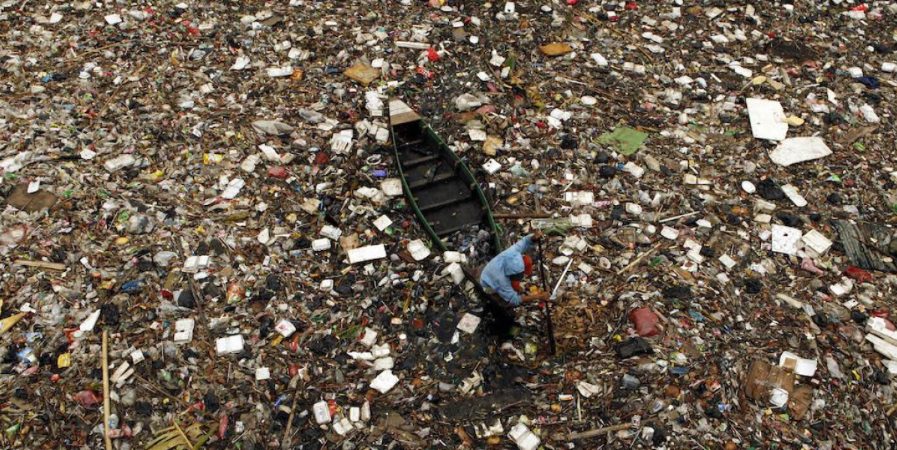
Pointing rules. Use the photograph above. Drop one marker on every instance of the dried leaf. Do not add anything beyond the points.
(555, 49)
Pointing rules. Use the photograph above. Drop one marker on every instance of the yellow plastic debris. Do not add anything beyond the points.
(8, 322)
(794, 121)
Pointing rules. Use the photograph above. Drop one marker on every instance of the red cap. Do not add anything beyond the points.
(527, 265)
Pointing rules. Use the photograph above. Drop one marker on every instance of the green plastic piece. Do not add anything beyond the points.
(625, 139)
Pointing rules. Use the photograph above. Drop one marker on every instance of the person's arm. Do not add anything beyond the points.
(526, 244)
(540, 297)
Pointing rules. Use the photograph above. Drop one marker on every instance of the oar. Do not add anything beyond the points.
(547, 310)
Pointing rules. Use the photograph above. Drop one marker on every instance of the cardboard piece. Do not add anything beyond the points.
(763, 377)
(362, 73)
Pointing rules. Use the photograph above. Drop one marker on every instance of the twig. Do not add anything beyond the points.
(638, 260)
(680, 216)
(146, 384)
(106, 406)
(184, 436)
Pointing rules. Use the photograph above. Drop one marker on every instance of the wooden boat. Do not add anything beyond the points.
(439, 187)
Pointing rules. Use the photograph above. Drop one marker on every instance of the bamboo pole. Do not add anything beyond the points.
(106, 406)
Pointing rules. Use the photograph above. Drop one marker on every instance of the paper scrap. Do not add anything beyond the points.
(767, 119)
(798, 365)
(419, 251)
(469, 323)
(382, 223)
(391, 187)
(362, 73)
(795, 197)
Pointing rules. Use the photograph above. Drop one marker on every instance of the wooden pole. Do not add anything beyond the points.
(534, 215)
(552, 345)
(106, 406)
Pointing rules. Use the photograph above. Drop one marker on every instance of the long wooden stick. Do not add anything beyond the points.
(106, 406)
(40, 264)
(597, 432)
(286, 440)
(286, 433)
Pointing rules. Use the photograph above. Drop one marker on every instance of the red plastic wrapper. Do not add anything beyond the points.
(645, 322)
(279, 172)
(858, 274)
(222, 426)
(86, 399)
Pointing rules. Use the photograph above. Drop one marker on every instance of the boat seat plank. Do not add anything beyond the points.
(444, 203)
(418, 161)
(431, 195)
(439, 178)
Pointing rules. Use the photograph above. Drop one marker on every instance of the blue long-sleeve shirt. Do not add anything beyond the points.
(496, 274)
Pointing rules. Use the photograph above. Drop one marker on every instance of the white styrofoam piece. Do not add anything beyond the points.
(384, 382)
(785, 239)
(795, 197)
(816, 242)
(799, 149)
(183, 330)
(368, 253)
(229, 345)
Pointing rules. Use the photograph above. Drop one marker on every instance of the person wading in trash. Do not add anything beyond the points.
(502, 276)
